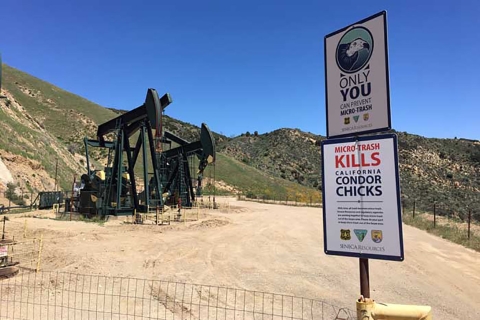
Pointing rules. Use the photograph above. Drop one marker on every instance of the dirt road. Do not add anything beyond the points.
(265, 247)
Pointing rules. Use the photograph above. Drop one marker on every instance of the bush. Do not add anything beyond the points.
(19, 201)
(72, 148)
(250, 195)
(10, 193)
(475, 156)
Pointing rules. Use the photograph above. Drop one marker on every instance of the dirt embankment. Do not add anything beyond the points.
(27, 172)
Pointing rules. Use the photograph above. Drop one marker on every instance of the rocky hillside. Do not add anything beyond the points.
(291, 154)
(446, 171)
(41, 124)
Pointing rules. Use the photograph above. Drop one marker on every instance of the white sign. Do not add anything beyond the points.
(356, 78)
(361, 198)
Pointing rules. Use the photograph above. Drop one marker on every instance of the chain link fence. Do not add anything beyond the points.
(59, 295)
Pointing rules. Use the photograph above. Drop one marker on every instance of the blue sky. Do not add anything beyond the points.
(248, 65)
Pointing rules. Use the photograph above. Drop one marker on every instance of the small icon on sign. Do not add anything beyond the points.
(345, 234)
(360, 233)
(346, 120)
(366, 116)
(356, 118)
(377, 236)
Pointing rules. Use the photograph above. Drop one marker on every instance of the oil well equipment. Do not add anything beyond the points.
(167, 176)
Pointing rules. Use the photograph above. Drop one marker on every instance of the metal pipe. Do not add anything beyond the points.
(370, 310)
(71, 198)
(364, 278)
(56, 171)
(3, 232)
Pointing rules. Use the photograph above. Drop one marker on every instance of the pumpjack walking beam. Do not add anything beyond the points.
(179, 179)
(143, 118)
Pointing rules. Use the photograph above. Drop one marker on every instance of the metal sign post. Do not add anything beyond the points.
(364, 277)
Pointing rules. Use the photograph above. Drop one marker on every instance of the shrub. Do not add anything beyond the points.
(10, 193)
(72, 148)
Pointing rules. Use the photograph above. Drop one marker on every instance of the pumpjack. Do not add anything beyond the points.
(166, 173)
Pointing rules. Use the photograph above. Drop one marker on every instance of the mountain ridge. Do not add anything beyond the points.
(42, 123)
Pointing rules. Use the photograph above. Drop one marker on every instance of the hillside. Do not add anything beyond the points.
(40, 123)
(446, 171)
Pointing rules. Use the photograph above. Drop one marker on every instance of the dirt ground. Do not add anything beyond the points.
(263, 247)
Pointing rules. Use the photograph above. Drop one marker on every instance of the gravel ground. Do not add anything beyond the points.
(263, 247)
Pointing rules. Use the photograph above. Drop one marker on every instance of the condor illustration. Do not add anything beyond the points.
(354, 50)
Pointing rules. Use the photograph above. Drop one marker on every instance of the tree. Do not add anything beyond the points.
(247, 134)
(10, 193)
(255, 133)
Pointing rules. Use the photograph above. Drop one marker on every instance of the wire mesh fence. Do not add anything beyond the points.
(58, 295)
(285, 200)
(26, 252)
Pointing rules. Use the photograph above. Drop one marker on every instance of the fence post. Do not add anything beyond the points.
(434, 215)
(469, 220)
(414, 209)
(40, 248)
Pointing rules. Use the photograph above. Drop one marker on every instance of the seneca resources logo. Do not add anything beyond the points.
(354, 49)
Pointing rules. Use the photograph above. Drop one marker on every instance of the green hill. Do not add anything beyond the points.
(40, 123)
(444, 171)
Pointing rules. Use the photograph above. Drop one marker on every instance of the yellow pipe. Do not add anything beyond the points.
(369, 309)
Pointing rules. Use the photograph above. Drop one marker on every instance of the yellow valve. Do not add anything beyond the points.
(100, 174)
(368, 309)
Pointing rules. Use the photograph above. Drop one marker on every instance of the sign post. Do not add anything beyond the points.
(364, 278)
(361, 192)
